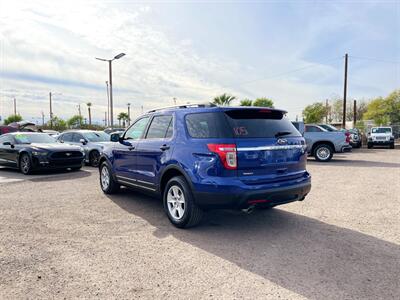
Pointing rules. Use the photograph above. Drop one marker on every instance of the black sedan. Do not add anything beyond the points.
(29, 151)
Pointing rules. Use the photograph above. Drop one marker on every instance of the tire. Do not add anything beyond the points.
(323, 153)
(25, 164)
(108, 186)
(179, 204)
(76, 169)
(94, 157)
(391, 146)
(370, 146)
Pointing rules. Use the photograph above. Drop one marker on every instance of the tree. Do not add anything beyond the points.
(392, 103)
(12, 119)
(75, 121)
(246, 102)
(264, 102)
(123, 116)
(314, 113)
(224, 99)
(89, 105)
(58, 124)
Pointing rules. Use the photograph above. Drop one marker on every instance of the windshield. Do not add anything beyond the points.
(328, 127)
(382, 130)
(39, 138)
(96, 136)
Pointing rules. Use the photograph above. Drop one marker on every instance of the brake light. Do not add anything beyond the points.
(227, 154)
(347, 136)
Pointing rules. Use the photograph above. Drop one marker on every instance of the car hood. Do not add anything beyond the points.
(101, 143)
(54, 147)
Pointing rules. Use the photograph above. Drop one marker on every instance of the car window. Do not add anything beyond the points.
(158, 128)
(67, 137)
(137, 129)
(4, 139)
(313, 129)
(260, 123)
(95, 136)
(76, 137)
(207, 125)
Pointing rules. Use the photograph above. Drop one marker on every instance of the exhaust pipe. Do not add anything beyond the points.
(249, 209)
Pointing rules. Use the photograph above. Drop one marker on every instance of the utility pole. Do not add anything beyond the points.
(346, 58)
(355, 113)
(142, 109)
(129, 114)
(42, 118)
(80, 115)
(174, 101)
(326, 108)
(105, 119)
(108, 105)
(15, 106)
(51, 111)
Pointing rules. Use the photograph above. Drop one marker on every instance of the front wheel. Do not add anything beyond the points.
(107, 182)
(370, 146)
(323, 153)
(94, 157)
(391, 146)
(25, 164)
(179, 204)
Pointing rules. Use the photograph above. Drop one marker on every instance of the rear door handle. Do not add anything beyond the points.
(164, 147)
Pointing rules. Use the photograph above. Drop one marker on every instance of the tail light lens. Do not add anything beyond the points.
(227, 154)
(347, 136)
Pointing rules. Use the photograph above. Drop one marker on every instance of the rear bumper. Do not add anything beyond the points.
(243, 196)
(346, 148)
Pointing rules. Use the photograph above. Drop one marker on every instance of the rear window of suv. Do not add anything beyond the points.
(240, 123)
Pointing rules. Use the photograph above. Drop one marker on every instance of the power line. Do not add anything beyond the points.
(376, 59)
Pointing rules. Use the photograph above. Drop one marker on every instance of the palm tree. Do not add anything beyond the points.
(122, 116)
(246, 102)
(89, 105)
(224, 99)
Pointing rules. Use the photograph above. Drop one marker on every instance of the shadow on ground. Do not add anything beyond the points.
(345, 162)
(43, 176)
(301, 254)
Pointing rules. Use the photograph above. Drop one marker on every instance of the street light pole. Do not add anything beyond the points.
(51, 112)
(108, 106)
(15, 106)
(110, 83)
(129, 114)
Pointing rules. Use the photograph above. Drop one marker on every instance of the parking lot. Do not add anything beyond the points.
(61, 237)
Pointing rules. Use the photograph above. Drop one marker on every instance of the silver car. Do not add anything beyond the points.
(91, 141)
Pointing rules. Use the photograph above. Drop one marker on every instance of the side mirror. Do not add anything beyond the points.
(114, 137)
(83, 141)
(8, 144)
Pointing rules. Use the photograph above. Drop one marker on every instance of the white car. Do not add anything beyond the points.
(382, 136)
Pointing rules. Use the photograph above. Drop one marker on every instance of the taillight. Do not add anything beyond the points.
(227, 154)
(347, 136)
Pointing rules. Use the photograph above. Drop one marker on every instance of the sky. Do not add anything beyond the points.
(289, 51)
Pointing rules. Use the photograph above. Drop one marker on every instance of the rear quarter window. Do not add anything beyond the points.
(207, 125)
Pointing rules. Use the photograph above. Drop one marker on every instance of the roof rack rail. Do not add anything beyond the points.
(209, 104)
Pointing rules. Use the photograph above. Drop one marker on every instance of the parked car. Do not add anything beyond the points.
(7, 129)
(328, 127)
(204, 157)
(92, 142)
(29, 151)
(355, 138)
(382, 136)
(322, 144)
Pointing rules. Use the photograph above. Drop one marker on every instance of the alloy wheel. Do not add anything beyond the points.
(176, 202)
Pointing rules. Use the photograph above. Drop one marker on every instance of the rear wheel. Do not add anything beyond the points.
(25, 164)
(94, 157)
(323, 153)
(107, 182)
(179, 204)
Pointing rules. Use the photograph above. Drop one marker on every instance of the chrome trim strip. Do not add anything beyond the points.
(145, 182)
(136, 185)
(126, 178)
(277, 147)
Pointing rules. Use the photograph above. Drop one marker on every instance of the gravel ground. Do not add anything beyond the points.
(60, 237)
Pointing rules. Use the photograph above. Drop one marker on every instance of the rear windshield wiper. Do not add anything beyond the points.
(282, 133)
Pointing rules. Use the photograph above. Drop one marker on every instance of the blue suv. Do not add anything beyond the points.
(200, 157)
